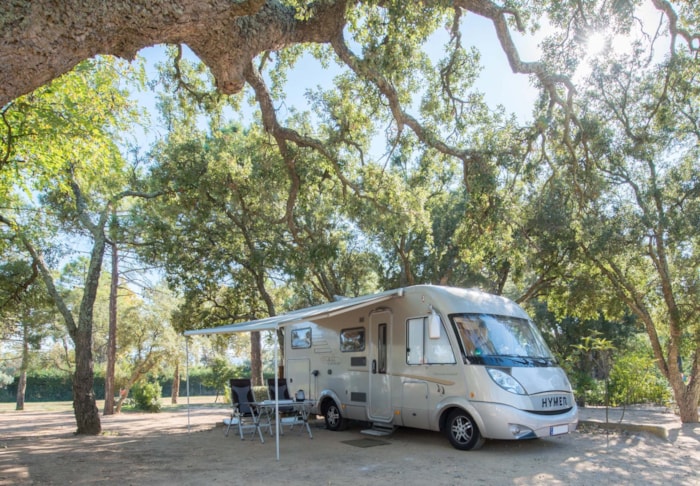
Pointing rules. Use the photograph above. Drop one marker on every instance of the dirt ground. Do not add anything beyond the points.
(39, 448)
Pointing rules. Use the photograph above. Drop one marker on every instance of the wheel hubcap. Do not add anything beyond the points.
(462, 429)
(332, 416)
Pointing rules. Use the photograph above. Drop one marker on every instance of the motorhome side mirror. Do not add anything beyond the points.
(434, 325)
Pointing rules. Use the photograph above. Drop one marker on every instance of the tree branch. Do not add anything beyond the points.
(691, 38)
(38, 259)
(42, 39)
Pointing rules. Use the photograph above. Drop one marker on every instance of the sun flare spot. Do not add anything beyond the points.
(596, 43)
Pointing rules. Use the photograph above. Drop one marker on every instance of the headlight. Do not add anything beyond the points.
(505, 381)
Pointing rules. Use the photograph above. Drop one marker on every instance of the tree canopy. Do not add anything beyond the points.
(399, 166)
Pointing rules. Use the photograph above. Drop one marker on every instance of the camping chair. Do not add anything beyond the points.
(288, 414)
(281, 387)
(245, 413)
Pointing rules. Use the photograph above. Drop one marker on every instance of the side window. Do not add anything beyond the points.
(352, 339)
(381, 348)
(414, 338)
(301, 338)
(421, 349)
(438, 350)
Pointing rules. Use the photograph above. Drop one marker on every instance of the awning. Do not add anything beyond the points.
(308, 314)
(270, 323)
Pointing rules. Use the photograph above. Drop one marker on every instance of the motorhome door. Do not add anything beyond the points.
(379, 383)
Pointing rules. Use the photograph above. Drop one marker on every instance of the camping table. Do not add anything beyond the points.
(301, 410)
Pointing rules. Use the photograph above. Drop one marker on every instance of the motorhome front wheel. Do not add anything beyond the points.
(462, 431)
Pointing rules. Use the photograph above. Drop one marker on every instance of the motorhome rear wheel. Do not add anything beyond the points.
(334, 418)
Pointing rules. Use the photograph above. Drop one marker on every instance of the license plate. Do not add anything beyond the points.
(558, 429)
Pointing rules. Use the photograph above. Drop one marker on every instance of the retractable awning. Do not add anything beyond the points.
(309, 314)
(271, 323)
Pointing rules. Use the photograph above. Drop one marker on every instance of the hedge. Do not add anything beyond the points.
(52, 386)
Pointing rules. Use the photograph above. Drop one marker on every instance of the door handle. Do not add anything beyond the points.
(374, 366)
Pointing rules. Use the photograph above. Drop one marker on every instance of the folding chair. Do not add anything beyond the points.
(281, 387)
(288, 413)
(245, 413)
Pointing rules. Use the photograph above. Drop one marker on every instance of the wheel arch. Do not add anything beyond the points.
(325, 399)
(447, 409)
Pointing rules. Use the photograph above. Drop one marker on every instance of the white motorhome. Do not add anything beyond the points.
(464, 362)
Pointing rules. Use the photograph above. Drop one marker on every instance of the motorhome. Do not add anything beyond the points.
(467, 363)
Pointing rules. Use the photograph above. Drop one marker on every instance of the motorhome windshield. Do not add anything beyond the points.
(485, 335)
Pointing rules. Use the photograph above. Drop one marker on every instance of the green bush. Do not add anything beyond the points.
(636, 379)
(147, 396)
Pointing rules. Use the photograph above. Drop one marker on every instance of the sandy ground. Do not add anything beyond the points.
(154, 449)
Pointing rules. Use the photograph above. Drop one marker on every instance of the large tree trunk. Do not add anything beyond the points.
(42, 39)
(22, 384)
(176, 385)
(688, 408)
(21, 390)
(112, 339)
(87, 415)
(687, 398)
(256, 374)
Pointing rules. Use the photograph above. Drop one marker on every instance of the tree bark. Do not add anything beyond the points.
(112, 338)
(87, 415)
(42, 39)
(22, 383)
(176, 385)
(256, 374)
(688, 407)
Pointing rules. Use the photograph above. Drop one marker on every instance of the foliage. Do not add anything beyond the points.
(53, 384)
(605, 375)
(46, 385)
(221, 372)
(398, 173)
(627, 160)
(5, 378)
(69, 176)
(589, 365)
(147, 396)
(635, 379)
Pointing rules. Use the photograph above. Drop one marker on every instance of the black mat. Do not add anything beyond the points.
(364, 442)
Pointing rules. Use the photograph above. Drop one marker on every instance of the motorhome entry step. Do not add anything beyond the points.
(379, 430)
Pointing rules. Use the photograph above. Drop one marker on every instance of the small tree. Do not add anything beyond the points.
(635, 378)
(591, 361)
(221, 372)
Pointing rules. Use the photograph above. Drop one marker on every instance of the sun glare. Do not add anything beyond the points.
(595, 44)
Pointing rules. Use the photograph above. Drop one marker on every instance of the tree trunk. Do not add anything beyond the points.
(688, 408)
(176, 385)
(112, 339)
(256, 375)
(687, 397)
(42, 39)
(87, 414)
(22, 384)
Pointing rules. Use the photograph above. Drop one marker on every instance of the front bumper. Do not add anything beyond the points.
(499, 421)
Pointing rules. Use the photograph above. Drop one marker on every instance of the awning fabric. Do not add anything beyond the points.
(309, 314)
